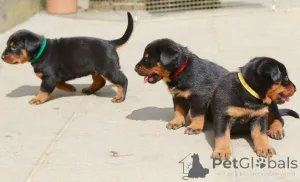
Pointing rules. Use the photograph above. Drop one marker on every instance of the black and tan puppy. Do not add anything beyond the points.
(56, 61)
(189, 79)
(242, 102)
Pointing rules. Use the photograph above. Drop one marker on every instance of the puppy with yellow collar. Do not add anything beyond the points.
(247, 101)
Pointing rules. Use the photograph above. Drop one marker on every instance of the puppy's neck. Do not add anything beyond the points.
(45, 54)
(179, 65)
(253, 81)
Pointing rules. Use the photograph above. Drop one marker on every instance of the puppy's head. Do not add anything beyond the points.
(21, 47)
(272, 77)
(161, 58)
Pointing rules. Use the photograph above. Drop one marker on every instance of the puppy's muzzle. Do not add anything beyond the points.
(140, 70)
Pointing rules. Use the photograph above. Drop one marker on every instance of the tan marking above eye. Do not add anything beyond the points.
(11, 44)
(146, 55)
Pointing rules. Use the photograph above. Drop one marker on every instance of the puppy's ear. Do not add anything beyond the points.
(168, 54)
(32, 43)
(271, 72)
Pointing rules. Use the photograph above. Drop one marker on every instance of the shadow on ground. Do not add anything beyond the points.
(246, 136)
(210, 136)
(151, 113)
(27, 90)
(166, 114)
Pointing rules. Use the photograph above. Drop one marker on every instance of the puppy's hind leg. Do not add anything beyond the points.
(66, 87)
(118, 79)
(98, 83)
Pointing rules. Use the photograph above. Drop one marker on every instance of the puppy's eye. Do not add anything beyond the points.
(286, 78)
(13, 48)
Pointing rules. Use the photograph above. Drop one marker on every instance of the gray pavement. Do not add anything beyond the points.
(70, 138)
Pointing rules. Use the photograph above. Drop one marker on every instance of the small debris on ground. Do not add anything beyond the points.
(117, 154)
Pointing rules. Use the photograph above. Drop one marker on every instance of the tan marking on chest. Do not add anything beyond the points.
(237, 112)
(180, 93)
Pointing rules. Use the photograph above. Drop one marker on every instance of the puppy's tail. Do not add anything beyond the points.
(288, 112)
(119, 42)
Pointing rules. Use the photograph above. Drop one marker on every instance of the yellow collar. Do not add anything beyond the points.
(247, 87)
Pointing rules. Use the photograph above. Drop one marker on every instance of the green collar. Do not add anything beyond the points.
(38, 55)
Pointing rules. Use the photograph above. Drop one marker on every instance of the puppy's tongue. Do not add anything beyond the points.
(287, 99)
(146, 78)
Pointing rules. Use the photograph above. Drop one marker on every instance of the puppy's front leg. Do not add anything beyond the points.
(47, 87)
(181, 108)
(260, 138)
(197, 111)
(275, 122)
(222, 137)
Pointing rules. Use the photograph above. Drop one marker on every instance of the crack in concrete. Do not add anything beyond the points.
(58, 136)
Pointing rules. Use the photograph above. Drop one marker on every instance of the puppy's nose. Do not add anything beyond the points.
(137, 67)
(3, 57)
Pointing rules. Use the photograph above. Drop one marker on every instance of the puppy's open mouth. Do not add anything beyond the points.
(10, 62)
(152, 78)
(283, 98)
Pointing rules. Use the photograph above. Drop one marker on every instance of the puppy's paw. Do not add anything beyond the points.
(221, 154)
(174, 124)
(276, 130)
(265, 151)
(71, 88)
(196, 126)
(87, 91)
(117, 99)
(36, 101)
(192, 131)
(277, 134)
(40, 98)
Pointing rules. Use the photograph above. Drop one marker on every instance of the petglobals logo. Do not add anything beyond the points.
(250, 163)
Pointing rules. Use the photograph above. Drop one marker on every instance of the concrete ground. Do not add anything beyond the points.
(72, 137)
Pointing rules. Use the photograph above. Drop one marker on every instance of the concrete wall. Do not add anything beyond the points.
(13, 12)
